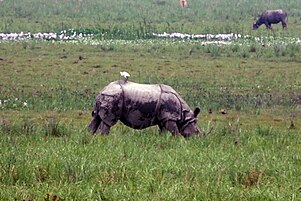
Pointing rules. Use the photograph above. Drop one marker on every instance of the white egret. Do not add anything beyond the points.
(125, 74)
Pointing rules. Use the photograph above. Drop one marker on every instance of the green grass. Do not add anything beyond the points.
(260, 164)
(47, 91)
(59, 80)
(46, 150)
(155, 15)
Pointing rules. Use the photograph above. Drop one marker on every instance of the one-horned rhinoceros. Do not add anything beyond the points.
(269, 17)
(143, 105)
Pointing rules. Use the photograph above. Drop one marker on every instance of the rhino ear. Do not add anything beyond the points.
(196, 111)
(93, 112)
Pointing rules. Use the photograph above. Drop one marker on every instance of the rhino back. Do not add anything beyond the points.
(141, 93)
(140, 104)
(112, 89)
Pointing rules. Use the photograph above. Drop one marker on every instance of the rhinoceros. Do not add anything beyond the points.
(143, 105)
(269, 17)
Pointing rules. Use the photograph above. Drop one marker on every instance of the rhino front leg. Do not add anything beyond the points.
(172, 127)
(162, 129)
(104, 128)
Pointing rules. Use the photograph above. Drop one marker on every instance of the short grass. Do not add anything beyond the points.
(71, 76)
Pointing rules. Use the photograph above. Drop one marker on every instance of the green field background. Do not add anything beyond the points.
(156, 15)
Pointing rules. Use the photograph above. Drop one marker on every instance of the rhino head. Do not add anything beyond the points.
(189, 126)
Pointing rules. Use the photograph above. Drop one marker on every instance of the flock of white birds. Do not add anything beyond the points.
(205, 39)
(225, 36)
(63, 35)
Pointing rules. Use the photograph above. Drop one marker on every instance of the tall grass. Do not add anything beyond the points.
(259, 163)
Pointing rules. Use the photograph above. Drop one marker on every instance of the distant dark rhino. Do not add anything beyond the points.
(269, 17)
(143, 105)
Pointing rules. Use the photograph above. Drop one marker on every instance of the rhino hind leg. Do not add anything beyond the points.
(97, 125)
(161, 129)
(93, 127)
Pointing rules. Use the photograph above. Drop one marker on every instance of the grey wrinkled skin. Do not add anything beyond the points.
(143, 105)
(270, 17)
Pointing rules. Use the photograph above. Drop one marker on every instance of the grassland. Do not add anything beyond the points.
(140, 16)
(47, 91)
